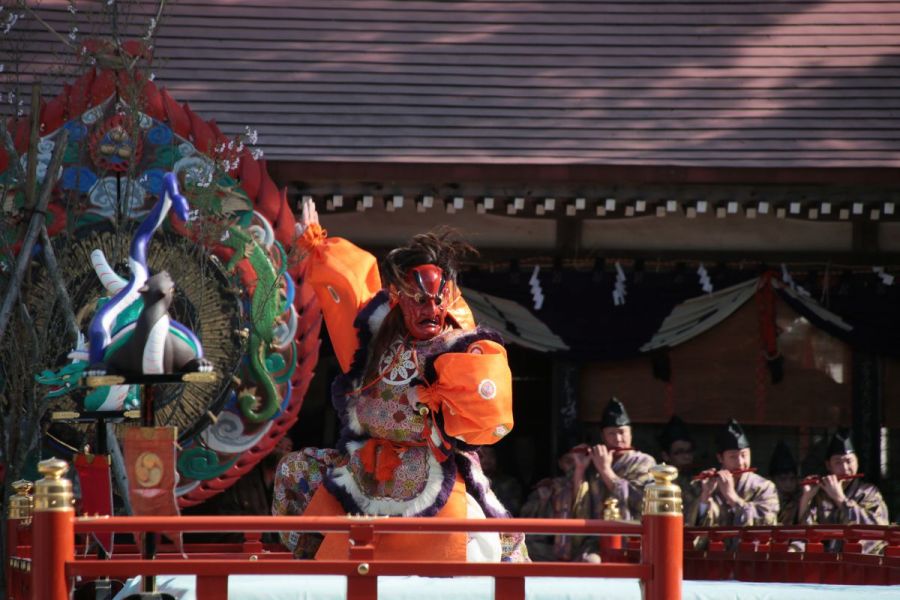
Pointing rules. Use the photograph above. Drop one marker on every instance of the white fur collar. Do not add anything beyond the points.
(343, 477)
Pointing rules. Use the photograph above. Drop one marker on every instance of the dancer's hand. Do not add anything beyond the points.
(308, 216)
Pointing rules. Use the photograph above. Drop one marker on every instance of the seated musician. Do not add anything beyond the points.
(842, 497)
(678, 450)
(783, 471)
(733, 495)
(612, 469)
(618, 470)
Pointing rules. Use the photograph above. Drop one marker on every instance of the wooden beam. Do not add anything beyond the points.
(865, 237)
(286, 172)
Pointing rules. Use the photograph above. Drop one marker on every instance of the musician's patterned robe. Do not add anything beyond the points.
(760, 506)
(689, 492)
(789, 504)
(864, 506)
(633, 470)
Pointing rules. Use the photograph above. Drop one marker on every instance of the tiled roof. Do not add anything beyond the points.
(729, 83)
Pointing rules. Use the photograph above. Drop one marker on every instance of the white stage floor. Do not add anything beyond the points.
(333, 587)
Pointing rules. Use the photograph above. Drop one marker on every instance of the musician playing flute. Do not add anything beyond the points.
(841, 497)
(612, 469)
(733, 495)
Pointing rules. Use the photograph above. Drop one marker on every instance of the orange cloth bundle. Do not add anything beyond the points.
(341, 292)
(473, 391)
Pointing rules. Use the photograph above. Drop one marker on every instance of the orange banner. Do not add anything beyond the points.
(150, 464)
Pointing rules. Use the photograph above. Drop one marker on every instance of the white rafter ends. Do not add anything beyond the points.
(580, 203)
(337, 200)
(857, 208)
(763, 208)
(368, 201)
(549, 204)
(672, 206)
(795, 208)
(610, 204)
(488, 203)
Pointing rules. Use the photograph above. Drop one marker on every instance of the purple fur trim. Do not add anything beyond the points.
(365, 334)
(344, 383)
(467, 465)
(349, 503)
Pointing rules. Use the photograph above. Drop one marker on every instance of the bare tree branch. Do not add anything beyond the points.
(47, 26)
(11, 151)
(37, 220)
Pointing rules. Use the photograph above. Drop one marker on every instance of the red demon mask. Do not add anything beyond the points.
(424, 300)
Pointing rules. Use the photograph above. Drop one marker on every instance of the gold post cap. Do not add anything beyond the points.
(53, 492)
(663, 496)
(611, 510)
(23, 487)
(21, 504)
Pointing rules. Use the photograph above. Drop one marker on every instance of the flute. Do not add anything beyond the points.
(817, 479)
(587, 449)
(713, 472)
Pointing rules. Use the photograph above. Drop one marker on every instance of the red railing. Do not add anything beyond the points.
(793, 554)
(659, 569)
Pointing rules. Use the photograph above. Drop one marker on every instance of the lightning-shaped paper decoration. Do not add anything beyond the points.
(786, 277)
(536, 293)
(619, 290)
(886, 278)
(705, 283)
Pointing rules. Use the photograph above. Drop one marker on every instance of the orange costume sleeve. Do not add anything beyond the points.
(345, 278)
(473, 390)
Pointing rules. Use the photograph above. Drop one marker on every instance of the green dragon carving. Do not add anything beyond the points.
(264, 307)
